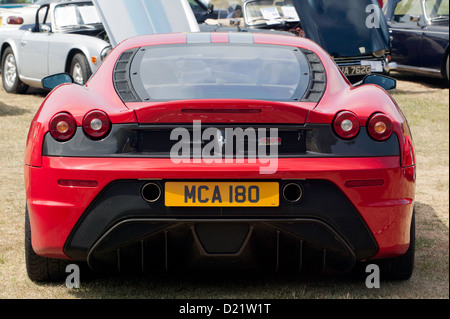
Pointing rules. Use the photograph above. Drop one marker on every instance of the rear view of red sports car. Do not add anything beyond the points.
(219, 151)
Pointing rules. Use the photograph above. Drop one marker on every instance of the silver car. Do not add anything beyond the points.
(74, 37)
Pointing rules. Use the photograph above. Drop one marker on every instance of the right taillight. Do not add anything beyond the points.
(346, 125)
(63, 126)
(379, 127)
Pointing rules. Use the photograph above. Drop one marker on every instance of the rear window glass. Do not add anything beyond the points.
(225, 71)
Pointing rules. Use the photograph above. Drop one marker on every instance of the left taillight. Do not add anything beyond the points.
(96, 124)
(14, 20)
(63, 126)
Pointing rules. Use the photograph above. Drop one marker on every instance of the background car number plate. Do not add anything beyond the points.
(222, 194)
(356, 69)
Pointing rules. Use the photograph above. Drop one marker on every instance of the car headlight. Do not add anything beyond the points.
(379, 53)
(105, 52)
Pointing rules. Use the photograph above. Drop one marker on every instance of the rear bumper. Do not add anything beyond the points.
(95, 223)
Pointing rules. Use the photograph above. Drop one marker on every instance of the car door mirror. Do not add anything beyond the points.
(52, 81)
(46, 28)
(383, 81)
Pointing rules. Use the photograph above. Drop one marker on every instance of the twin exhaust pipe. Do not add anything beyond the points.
(151, 192)
(291, 192)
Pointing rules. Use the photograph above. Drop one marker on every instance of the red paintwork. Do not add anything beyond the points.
(185, 111)
(54, 209)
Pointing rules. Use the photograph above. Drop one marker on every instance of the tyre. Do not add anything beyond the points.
(397, 268)
(446, 76)
(80, 69)
(10, 75)
(42, 269)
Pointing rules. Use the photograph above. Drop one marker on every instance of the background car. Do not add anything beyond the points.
(358, 49)
(134, 182)
(420, 31)
(71, 39)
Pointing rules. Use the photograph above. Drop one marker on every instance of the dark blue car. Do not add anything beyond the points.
(420, 31)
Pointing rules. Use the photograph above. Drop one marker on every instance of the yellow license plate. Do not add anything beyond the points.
(221, 194)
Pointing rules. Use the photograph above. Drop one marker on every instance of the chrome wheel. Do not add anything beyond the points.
(77, 74)
(80, 69)
(10, 70)
(10, 73)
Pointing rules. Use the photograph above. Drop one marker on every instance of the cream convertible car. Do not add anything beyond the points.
(71, 39)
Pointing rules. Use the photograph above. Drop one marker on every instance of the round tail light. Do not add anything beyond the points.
(63, 126)
(96, 124)
(379, 127)
(346, 125)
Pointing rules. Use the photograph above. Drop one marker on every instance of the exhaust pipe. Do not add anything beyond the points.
(151, 192)
(292, 192)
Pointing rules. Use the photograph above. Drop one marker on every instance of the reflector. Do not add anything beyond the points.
(77, 183)
(365, 183)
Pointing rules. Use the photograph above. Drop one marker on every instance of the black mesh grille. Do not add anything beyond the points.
(318, 78)
(121, 78)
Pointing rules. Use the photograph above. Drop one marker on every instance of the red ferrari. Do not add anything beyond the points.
(219, 151)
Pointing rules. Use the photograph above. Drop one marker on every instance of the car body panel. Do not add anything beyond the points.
(70, 222)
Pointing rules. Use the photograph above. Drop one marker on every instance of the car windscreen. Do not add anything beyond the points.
(225, 71)
(75, 15)
(269, 12)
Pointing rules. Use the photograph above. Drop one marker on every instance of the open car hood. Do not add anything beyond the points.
(340, 26)
(125, 19)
